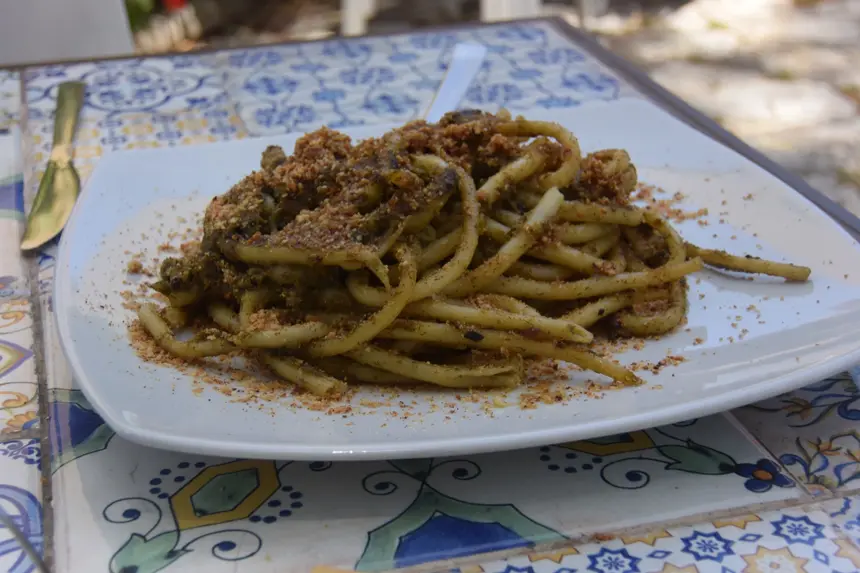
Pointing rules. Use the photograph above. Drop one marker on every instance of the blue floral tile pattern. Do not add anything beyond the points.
(162, 85)
(798, 529)
(20, 501)
(192, 99)
(28, 451)
(789, 540)
(813, 432)
(129, 104)
(360, 81)
(707, 546)
(613, 560)
(845, 513)
(18, 389)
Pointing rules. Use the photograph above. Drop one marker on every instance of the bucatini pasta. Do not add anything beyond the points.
(438, 253)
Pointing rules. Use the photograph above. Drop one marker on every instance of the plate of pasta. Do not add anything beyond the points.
(485, 283)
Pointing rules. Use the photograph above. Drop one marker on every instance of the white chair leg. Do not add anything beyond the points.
(588, 9)
(496, 10)
(354, 16)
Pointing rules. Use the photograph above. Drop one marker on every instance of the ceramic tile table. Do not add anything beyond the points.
(768, 487)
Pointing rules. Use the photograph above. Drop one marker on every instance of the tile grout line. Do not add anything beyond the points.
(44, 413)
(762, 447)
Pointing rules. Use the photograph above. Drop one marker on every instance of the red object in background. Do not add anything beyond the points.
(173, 5)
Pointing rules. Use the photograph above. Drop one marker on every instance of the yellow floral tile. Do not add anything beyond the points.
(20, 422)
(19, 407)
(143, 145)
(140, 129)
(191, 124)
(86, 133)
(813, 432)
(786, 541)
(848, 551)
(195, 139)
(669, 568)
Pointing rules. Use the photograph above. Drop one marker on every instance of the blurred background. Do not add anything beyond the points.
(782, 74)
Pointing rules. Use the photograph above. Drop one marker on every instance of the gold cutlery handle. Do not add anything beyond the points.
(70, 99)
(60, 184)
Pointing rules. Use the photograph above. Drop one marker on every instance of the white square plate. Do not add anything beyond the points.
(797, 333)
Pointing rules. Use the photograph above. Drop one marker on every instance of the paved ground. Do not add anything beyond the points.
(783, 75)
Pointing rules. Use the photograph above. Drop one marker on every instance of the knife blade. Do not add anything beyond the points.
(466, 60)
(60, 185)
